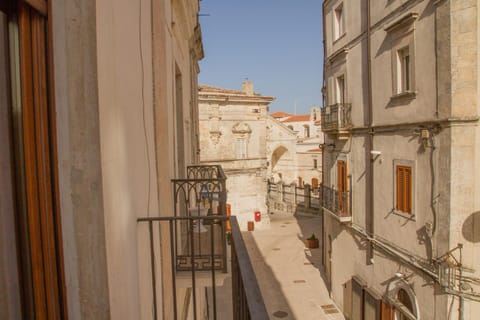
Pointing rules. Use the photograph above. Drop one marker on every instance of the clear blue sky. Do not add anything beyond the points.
(276, 44)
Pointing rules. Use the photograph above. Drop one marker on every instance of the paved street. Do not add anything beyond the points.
(289, 274)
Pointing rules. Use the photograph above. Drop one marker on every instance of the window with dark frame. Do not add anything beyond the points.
(404, 189)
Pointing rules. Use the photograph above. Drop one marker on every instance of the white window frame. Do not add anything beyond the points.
(241, 148)
(306, 131)
(340, 89)
(338, 21)
(404, 70)
(401, 34)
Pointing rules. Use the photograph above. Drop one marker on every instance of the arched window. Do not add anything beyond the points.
(404, 299)
(314, 183)
(403, 302)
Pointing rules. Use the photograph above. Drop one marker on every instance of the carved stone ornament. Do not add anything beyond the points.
(215, 136)
(241, 128)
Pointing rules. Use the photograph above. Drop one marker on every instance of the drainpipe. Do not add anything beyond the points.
(324, 142)
(370, 225)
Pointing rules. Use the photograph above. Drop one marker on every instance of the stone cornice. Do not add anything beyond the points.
(404, 21)
(339, 54)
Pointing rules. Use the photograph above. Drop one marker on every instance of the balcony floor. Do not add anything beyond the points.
(289, 275)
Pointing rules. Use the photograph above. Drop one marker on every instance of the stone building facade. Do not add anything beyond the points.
(401, 159)
(98, 103)
(309, 144)
(233, 131)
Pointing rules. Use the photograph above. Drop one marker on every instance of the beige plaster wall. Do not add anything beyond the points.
(172, 30)
(449, 202)
(305, 169)
(387, 108)
(80, 172)
(124, 51)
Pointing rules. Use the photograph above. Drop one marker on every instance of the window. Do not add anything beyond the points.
(387, 311)
(241, 148)
(357, 300)
(342, 186)
(406, 311)
(404, 70)
(338, 27)
(340, 89)
(29, 181)
(306, 131)
(315, 163)
(401, 303)
(404, 189)
(401, 35)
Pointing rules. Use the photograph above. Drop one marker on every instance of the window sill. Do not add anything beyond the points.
(407, 95)
(406, 215)
(339, 38)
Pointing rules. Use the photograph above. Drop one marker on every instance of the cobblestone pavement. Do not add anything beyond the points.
(289, 274)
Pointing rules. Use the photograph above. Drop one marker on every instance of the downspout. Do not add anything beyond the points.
(371, 226)
(323, 148)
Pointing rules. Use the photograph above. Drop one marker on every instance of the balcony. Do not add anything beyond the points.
(184, 257)
(202, 194)
(336, 119)
(337, 203)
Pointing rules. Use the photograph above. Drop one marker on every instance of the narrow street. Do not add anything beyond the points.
(289, 274)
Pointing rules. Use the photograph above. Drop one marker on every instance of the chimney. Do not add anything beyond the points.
(247, 87)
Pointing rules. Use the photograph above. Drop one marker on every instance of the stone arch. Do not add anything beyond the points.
(400, 287)
(277, 154)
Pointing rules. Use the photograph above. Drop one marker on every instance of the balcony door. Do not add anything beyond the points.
(340, 90)
(342, 186)
(31, 260)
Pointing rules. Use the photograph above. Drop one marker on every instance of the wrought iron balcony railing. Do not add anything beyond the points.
(337, 203)
(204, 293)
(336, 117)
(202, 194)
(187, 254)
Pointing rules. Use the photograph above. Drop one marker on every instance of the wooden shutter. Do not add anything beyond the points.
(342, 185)
(404, 189)
(387, 311)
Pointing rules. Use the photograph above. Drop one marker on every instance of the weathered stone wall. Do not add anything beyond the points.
(233, 131)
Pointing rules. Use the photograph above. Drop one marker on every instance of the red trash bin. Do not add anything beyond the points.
(258, 216)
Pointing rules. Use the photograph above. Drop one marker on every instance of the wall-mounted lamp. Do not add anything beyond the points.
(375, 154)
